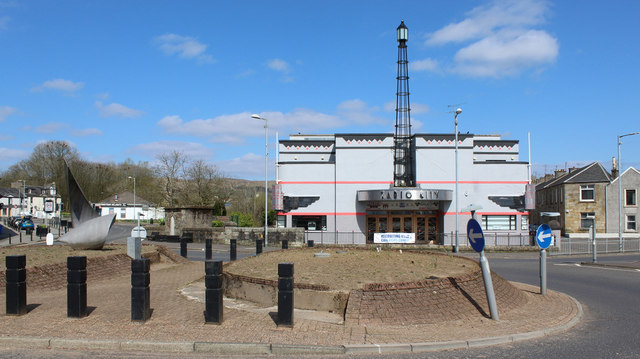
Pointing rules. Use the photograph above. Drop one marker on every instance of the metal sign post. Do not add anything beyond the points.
(543, 239)
(476, 239)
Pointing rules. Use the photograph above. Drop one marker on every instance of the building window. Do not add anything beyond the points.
(631, 223)
(282, 221)
(587, 193)
(499, 223)
(524, 224)
(123, 213)
(630, 197)
(585, 219)
(310, 223)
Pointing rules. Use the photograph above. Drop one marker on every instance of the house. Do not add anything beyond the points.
(579, 196)
(38, 201)
(122, 204)
(631, 212)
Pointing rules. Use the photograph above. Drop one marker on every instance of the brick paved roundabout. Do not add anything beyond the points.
(177, 322)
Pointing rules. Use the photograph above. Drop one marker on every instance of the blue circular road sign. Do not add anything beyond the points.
(544, 236)
(475, 235)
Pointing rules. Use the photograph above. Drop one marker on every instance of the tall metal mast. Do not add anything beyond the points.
(404, 173)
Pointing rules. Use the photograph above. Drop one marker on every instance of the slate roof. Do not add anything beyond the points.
(592, 173)
(9, 192)
(124, 198)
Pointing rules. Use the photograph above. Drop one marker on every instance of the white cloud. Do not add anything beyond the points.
(279, 65)
(50, 127)
(191, 149)
(430, 65)
(235, 128)
(11, 155)
(6, 137)
(116, 109)
(6, 111)
(484, 20)
(4, 20)
(502, 39)
(87, 132)
(249, 166)
(506, 54)
(416, 108)
(184, 46)
(59, 85)
(356, 111)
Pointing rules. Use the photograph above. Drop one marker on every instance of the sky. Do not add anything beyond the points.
(125, 80)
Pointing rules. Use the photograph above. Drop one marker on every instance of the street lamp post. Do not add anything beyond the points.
(266, 159)
(455, 120)
(134, 206)
(620, 191)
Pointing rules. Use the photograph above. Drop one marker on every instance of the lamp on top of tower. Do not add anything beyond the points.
(403, 32)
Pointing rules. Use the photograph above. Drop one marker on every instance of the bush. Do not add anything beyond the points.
(161, 221)
(217, 223)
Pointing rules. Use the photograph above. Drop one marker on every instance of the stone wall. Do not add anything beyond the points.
(54, 276)
(247, 236)
(576, 207)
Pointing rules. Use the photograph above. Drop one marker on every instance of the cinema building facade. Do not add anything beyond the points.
(401, 187)
(340, 187)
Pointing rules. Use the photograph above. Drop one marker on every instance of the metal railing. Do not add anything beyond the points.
(492, 239)
(569, 246)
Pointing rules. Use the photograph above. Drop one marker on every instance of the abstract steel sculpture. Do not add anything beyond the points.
(90, 229)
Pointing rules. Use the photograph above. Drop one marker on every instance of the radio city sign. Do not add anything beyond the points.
(405, 194)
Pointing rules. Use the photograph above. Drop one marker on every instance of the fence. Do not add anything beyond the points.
(569, 246)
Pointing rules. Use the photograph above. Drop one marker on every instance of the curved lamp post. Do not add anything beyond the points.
(620, 191)
(266, 159)
(455, 120)
(134, 205)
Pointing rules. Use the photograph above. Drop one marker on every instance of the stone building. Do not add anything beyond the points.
(577, 196)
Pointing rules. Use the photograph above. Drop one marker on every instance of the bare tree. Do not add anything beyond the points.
(171, 170)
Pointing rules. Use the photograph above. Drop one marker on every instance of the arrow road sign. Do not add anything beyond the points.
(475, 235)
(544, 236)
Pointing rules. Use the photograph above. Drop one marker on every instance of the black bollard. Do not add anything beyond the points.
(140, 296)
(207, 249)
(183, 246)
(285, 294)
(233, 254)
(213, 293)
(20, 235)
(77, 287)
(309, 243)
(258, 246)
(16, 291)
(285, 244)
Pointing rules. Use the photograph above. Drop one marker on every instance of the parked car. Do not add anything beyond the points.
(26, 224)
(533, 228)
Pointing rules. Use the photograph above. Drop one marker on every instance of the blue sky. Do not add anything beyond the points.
(133, 79)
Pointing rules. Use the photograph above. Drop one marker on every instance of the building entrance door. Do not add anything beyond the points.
(424, 225)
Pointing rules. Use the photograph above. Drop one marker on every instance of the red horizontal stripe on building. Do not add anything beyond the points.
(487, 213)
(324, 214)
(389, 182)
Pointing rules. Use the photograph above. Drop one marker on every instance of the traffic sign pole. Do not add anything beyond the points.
(544, 236)
(543, 271)
(488, 286)
(476, 238)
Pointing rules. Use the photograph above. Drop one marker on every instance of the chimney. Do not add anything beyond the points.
(559, 173)
(614, 168)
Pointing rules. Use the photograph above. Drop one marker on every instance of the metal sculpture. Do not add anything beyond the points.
(90, 229)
